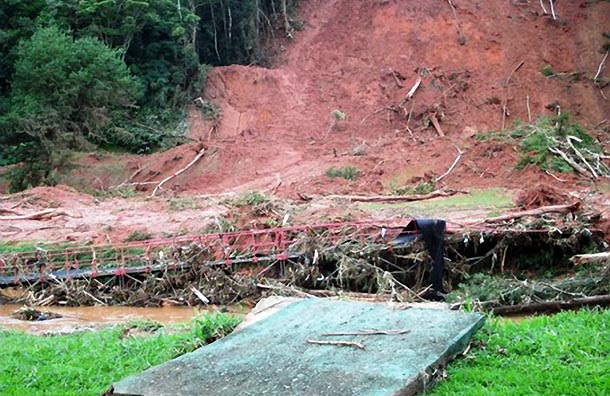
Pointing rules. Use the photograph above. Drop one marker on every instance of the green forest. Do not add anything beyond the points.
(115, 74)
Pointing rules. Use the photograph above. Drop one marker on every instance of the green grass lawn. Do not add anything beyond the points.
(492, 200)
(86, 363)
(564, 354)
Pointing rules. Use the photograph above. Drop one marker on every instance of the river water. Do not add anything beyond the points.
(93, 317)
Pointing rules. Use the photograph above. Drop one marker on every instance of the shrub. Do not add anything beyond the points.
(346, 172)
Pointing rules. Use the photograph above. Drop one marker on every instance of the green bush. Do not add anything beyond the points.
(547, 71)
(346, 172)
(550, 132)
(252, 198)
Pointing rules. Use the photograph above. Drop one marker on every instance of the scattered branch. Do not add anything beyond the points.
(461, 37)
(338, 343)
(436, 125)
(553, 10)
(197, 157)
(42, 215)
(561, 209)
(543, 8)
(594, 258)
(601, 66)
(394, 198)
(514, 71)
(553, 306)
(457, 159)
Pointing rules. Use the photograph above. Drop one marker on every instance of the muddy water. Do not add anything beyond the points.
(92, 317)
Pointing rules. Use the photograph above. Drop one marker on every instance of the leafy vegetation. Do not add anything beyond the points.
(138, 236)
(564, 354)
(541, 141)
(87, 363)
(252, 198)
(547, 71)
(421, 188)
(346, 172)
(115, 74)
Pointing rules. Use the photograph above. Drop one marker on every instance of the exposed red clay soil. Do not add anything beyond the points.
(359, 57)
(362, 58)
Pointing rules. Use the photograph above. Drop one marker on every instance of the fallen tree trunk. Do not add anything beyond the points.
(42, 215)
(594, 258)
(561, 209)
(394, 198)
(553, 306)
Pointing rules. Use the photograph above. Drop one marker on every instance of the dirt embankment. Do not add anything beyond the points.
(362, 58)
(337, 97)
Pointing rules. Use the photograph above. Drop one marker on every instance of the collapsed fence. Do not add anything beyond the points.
(383, 258)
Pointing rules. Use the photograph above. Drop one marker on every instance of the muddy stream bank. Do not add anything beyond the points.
(93, 317)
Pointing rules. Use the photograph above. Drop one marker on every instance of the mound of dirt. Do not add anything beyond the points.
(477, 73)
(541, 195)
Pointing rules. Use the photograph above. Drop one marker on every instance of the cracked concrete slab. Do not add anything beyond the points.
(273, 356)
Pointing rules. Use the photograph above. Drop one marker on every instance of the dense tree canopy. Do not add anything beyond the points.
(115, 72)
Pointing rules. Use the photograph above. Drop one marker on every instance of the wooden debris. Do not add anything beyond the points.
(601, 66)
(437, 125)
(594, 258)
(338, 343)
(395, 198)
(197, 157)
(455, 162)
(413, 89)
(561, 209)
(45, 214)
(553, 306)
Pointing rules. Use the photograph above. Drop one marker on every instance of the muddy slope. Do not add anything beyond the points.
(361, 56)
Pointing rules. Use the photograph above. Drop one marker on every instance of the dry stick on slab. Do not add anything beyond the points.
(601, 66)
(367, 332)
(338, 343)
(197, 157)
(561, 209)
(457, 159)
(529, 112)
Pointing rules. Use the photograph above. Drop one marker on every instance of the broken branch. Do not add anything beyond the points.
(457, 159)
(594, 258)
(42, 215)
(601, 66)
(197, 157)
(395, 198)
(561, 209)
(436, 125)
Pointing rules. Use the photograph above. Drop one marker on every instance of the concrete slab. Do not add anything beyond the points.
(273, 356)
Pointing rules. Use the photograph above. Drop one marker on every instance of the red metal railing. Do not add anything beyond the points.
(171, 254)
